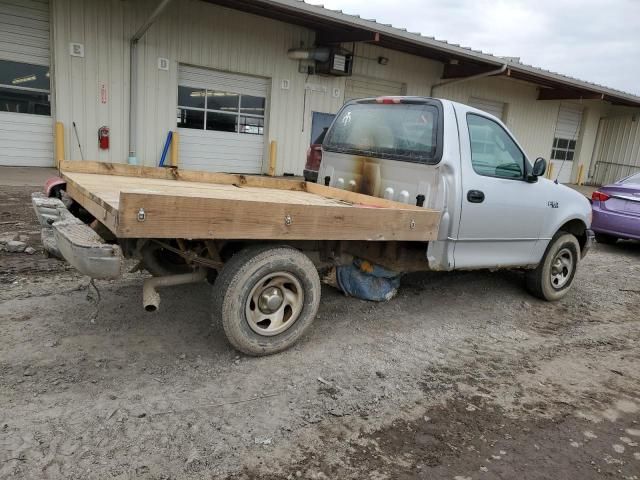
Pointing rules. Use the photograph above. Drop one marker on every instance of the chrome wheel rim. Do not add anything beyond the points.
(274, 303)
(561, 268)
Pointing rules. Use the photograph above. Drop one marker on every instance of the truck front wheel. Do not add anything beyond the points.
(266, 298)
(552, 278)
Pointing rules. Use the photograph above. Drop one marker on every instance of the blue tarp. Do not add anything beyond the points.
(364, 280)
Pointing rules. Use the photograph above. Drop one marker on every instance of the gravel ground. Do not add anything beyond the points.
(462, 376)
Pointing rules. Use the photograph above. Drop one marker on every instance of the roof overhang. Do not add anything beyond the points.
(337, 27)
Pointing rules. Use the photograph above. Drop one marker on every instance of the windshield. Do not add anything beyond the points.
(396, 131)
(633, 179)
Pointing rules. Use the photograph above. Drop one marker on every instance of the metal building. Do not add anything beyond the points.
(220, 73)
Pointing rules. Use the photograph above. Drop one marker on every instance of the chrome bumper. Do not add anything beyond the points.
(65, 236)
(591, 239)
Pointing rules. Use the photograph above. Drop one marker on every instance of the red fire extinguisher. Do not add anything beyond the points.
(103, 138)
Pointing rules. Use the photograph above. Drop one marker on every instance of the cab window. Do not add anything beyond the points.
(493, 151)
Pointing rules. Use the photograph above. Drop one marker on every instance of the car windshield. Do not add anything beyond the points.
(633, 179)
(397, 131)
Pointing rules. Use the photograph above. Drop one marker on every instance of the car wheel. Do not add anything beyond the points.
(266, 298)
(552, 278)
(606, 239)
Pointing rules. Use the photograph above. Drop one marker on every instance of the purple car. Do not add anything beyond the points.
(616, 210)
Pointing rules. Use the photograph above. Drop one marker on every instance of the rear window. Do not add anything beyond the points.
(406, 132)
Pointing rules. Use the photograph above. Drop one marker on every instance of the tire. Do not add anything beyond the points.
(606, 239)
(257, 320)
(552, 278)
(160, 262)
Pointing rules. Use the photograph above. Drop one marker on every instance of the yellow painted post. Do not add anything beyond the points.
(579, 180)
(175, 142)
(550, 172)
(272, 158)
(59, 143)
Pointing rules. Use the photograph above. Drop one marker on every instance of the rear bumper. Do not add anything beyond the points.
(310, 175)
(619, 225)
(65, 236)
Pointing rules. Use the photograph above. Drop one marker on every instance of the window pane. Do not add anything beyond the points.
(572, 144)
(555, 142)
(22, 101)
(222, 122)
(569, 155)
(24, 75)
(563, 143)
(398, 131)
(191, 97)
(561, 154)
(493, 152)
(252, 105)
(222, 101)
(251, 125)
(190, 119)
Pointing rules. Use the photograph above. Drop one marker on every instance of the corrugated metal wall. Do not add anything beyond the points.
(617, 153)
(200, 34)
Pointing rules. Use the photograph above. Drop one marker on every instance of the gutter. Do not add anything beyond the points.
(133, 78)
(452, 81)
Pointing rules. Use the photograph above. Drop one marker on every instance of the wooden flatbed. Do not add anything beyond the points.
(144, 202)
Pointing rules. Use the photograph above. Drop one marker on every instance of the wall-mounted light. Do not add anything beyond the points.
(383, 60)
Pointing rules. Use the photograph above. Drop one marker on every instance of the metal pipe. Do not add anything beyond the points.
(151, 297)
(452, 81)
(133, 78)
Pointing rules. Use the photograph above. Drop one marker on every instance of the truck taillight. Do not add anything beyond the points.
(601, 197)
(388, 100)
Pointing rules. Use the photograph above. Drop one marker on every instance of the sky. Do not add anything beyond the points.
(593, 40)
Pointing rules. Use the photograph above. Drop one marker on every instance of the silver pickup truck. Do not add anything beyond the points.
(406, 184)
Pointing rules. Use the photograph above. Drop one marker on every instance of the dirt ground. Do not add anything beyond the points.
(462, 376)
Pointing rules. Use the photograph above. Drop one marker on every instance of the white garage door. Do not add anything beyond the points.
(26, 129)
(365, 87)
(490, 106)
(221, 120)
(565, 141)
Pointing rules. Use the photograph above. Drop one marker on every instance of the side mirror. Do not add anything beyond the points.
(539, 167)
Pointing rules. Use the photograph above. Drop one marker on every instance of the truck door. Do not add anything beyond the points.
(501, 213)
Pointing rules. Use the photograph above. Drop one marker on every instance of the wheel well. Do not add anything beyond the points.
(578, 229)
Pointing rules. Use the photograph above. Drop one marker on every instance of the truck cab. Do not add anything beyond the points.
(498, 211)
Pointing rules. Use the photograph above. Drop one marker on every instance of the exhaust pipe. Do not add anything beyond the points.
(151, 297)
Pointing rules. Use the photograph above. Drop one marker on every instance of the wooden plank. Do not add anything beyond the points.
(94, 206)
(170, 173)
(124, 170)
(172, 216)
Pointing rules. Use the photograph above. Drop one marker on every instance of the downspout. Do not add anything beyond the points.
(133, 78)
(452, 81)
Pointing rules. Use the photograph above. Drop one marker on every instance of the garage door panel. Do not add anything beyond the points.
(26, 139)
(217, 150)
(365, 87)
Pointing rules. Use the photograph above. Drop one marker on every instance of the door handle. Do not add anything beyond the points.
(475, 196)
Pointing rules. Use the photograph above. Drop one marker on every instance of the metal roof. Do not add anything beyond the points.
(335, 23)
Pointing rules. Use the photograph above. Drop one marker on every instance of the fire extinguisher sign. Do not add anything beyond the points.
(103, 92)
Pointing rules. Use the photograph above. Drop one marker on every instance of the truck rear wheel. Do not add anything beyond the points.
(266, 298)
(552, 278)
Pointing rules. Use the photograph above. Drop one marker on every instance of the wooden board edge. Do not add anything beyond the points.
(100, 210)
(213, 218)
(172, 173)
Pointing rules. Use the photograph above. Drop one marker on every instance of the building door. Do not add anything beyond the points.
(26, 127)
(365, 87)
(221, 120)
(565, 141)
(490, 106)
